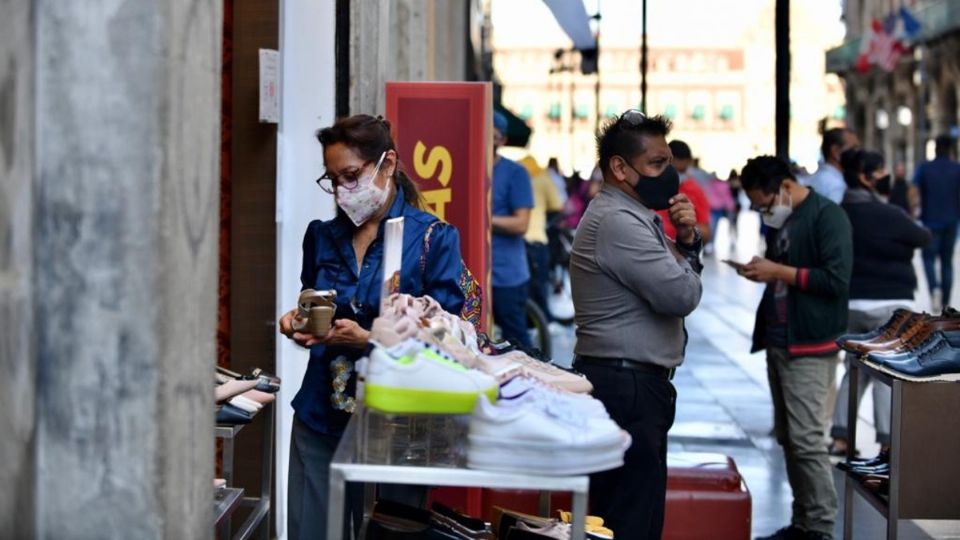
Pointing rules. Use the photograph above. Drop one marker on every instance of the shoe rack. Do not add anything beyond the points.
(362, 457)
(924, 445)
(230, 499)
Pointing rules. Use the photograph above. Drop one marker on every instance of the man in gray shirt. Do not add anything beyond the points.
(632, 286)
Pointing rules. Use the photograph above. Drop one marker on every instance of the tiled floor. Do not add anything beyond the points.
(724, 399)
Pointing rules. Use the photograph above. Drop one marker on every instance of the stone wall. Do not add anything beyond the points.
(118, 218)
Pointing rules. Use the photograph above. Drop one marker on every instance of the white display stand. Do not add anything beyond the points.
(349, 466)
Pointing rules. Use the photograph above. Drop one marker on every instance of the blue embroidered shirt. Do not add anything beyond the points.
(329, 262)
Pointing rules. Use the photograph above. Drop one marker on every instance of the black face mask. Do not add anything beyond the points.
(883, 185)
(656, 191)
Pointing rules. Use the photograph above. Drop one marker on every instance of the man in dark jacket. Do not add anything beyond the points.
(804, 309)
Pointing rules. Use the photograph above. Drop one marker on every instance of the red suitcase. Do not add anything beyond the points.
(706, 498)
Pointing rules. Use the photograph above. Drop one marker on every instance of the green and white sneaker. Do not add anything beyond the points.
(413, 377)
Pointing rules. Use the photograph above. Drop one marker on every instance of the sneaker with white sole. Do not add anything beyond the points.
(522, 390)
(540, 437)
(413, 377)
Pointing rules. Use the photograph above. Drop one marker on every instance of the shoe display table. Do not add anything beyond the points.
(431, 454)
(260, 505)
(924, 445)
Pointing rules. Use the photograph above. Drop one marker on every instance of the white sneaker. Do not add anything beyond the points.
(520, 391)
(413, 377)
(539, 437)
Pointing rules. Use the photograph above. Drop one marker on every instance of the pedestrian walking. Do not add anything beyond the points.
(938, 184)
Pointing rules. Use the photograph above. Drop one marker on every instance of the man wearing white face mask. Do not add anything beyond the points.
(807, 270)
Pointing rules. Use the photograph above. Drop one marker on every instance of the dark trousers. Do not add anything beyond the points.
(539, 256)
(510, 313)
(944, 240)
(309, 484)
(631, 499)
(308, 492)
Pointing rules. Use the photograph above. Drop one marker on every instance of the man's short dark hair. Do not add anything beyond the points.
(765, 173)
(680, 149)
(832, 137)
(622, 138)
(943, 146)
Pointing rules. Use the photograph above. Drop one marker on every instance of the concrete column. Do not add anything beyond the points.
(110, 236)
(17, 333)
(404, 40)
(369, 56)
(412, 28)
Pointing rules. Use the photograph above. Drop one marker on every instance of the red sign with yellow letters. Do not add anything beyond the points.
(443, 133)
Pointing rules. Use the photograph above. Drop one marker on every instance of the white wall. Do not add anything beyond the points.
(307, 31)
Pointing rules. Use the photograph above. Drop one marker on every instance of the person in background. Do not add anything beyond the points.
(885, 238)
(898, 190)
(363, 174)
(553, 169)
(828, 180)
(577, 200)
(632, 287)
(512, 202)
(546, 201)
(721, 206)
(806, 269)
(689, 186)
(733, 182)
(938, 183)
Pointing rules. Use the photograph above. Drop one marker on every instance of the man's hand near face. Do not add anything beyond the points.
(684, 218)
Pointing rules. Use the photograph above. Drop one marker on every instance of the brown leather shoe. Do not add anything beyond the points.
(915, 334)
(901, 320)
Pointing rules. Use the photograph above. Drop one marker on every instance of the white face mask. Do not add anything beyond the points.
(365, 200)
(779, 212)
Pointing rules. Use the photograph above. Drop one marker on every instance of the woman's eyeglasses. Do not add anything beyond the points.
(347, 180)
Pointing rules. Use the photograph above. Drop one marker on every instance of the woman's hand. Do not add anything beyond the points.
(286, 328)
(346, 333)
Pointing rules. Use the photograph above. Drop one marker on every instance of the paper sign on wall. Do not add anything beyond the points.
(269, 86)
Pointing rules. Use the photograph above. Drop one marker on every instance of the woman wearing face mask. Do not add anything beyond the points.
(346, 254)
(885, 239)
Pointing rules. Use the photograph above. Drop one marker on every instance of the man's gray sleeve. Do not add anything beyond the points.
(631, 252)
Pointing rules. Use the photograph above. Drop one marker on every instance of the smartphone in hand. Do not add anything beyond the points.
(735, 265)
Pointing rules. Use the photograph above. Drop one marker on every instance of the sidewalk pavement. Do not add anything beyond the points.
(724, 403)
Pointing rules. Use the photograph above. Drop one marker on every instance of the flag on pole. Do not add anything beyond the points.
(911, 26)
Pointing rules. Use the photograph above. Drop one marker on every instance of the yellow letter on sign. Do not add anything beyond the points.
(437, 157)
(437, 200)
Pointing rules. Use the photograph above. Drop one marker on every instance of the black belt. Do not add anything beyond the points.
(653, 369)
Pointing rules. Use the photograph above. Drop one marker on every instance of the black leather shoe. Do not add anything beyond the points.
(787, 533)
(860, 472)
(880, 459)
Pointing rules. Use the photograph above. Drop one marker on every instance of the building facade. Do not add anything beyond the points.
(900, 112)
(717, 87)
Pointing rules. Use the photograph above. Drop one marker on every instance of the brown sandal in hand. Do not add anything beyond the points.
(315, 311)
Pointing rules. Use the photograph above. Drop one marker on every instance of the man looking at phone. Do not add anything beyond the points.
(807, 270)
(632, 286)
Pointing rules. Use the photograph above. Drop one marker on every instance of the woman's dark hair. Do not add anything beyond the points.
(851, 162)
(370, 137)
(859, 162)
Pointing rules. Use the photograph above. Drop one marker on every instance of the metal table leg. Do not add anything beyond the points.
(579, 516)
(853, 380)
(335, 505)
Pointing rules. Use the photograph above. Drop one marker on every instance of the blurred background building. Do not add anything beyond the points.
(900, 101)
(713, 76)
